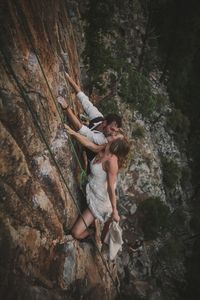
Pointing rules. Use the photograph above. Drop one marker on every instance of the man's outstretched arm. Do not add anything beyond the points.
(75, 86)
(88, 107)
(98, 139)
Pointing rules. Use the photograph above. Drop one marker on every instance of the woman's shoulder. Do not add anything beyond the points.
(112, 162)
(113, 158)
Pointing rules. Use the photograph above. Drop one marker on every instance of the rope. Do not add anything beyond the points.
(28, 33)
(27, 101)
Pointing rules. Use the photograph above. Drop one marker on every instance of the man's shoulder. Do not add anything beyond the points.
(98, 132)
(99, 137)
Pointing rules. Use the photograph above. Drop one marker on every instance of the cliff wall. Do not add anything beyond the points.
(36, 204)
(107, 47)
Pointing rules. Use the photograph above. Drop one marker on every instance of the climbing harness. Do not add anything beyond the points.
(36, 122)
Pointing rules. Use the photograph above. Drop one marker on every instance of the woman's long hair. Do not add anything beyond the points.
(120, 148)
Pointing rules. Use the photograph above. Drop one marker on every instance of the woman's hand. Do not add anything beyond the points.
(69, 130)
(115, 216)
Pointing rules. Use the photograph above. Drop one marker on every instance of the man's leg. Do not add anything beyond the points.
(91, 110)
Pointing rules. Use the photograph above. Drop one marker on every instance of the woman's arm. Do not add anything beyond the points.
(112, 170)
(84, 141)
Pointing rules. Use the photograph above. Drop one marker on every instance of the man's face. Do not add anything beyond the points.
(112, 132)
(111, 129)
(112, 138)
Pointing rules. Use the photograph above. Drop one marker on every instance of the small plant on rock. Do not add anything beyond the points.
(138, 131)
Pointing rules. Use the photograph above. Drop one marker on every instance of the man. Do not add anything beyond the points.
(100, 130)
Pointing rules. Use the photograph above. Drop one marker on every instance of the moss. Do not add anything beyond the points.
(154, 217)
(138, 131)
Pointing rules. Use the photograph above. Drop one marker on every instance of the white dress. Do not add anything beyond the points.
(96, 192)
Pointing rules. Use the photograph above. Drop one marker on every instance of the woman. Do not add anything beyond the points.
(100, 190)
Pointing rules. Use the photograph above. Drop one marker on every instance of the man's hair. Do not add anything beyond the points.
(114, 118)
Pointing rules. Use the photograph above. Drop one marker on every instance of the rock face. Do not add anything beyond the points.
(37, 205)
(40, 173)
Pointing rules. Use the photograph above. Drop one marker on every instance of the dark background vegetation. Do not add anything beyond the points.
(177, 25)
(171, 44)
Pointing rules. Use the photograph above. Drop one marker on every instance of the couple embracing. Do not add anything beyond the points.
(107, 150)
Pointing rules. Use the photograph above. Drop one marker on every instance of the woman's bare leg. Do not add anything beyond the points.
(79, 230)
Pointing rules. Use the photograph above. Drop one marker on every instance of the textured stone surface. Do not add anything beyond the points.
(36, 206)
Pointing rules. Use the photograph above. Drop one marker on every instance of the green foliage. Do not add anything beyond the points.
(136, 89)
(180, 125)
(154, 217)
(178, 25)
(171, 172)
(100, 55)
(99, 24)
(161, 101)
(107, 106)
(178, 28)
(138, 131)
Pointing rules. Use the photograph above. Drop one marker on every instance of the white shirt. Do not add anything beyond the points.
(88, 107)
(94, 136)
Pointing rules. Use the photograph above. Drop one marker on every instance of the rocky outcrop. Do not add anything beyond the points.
(37, 205)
